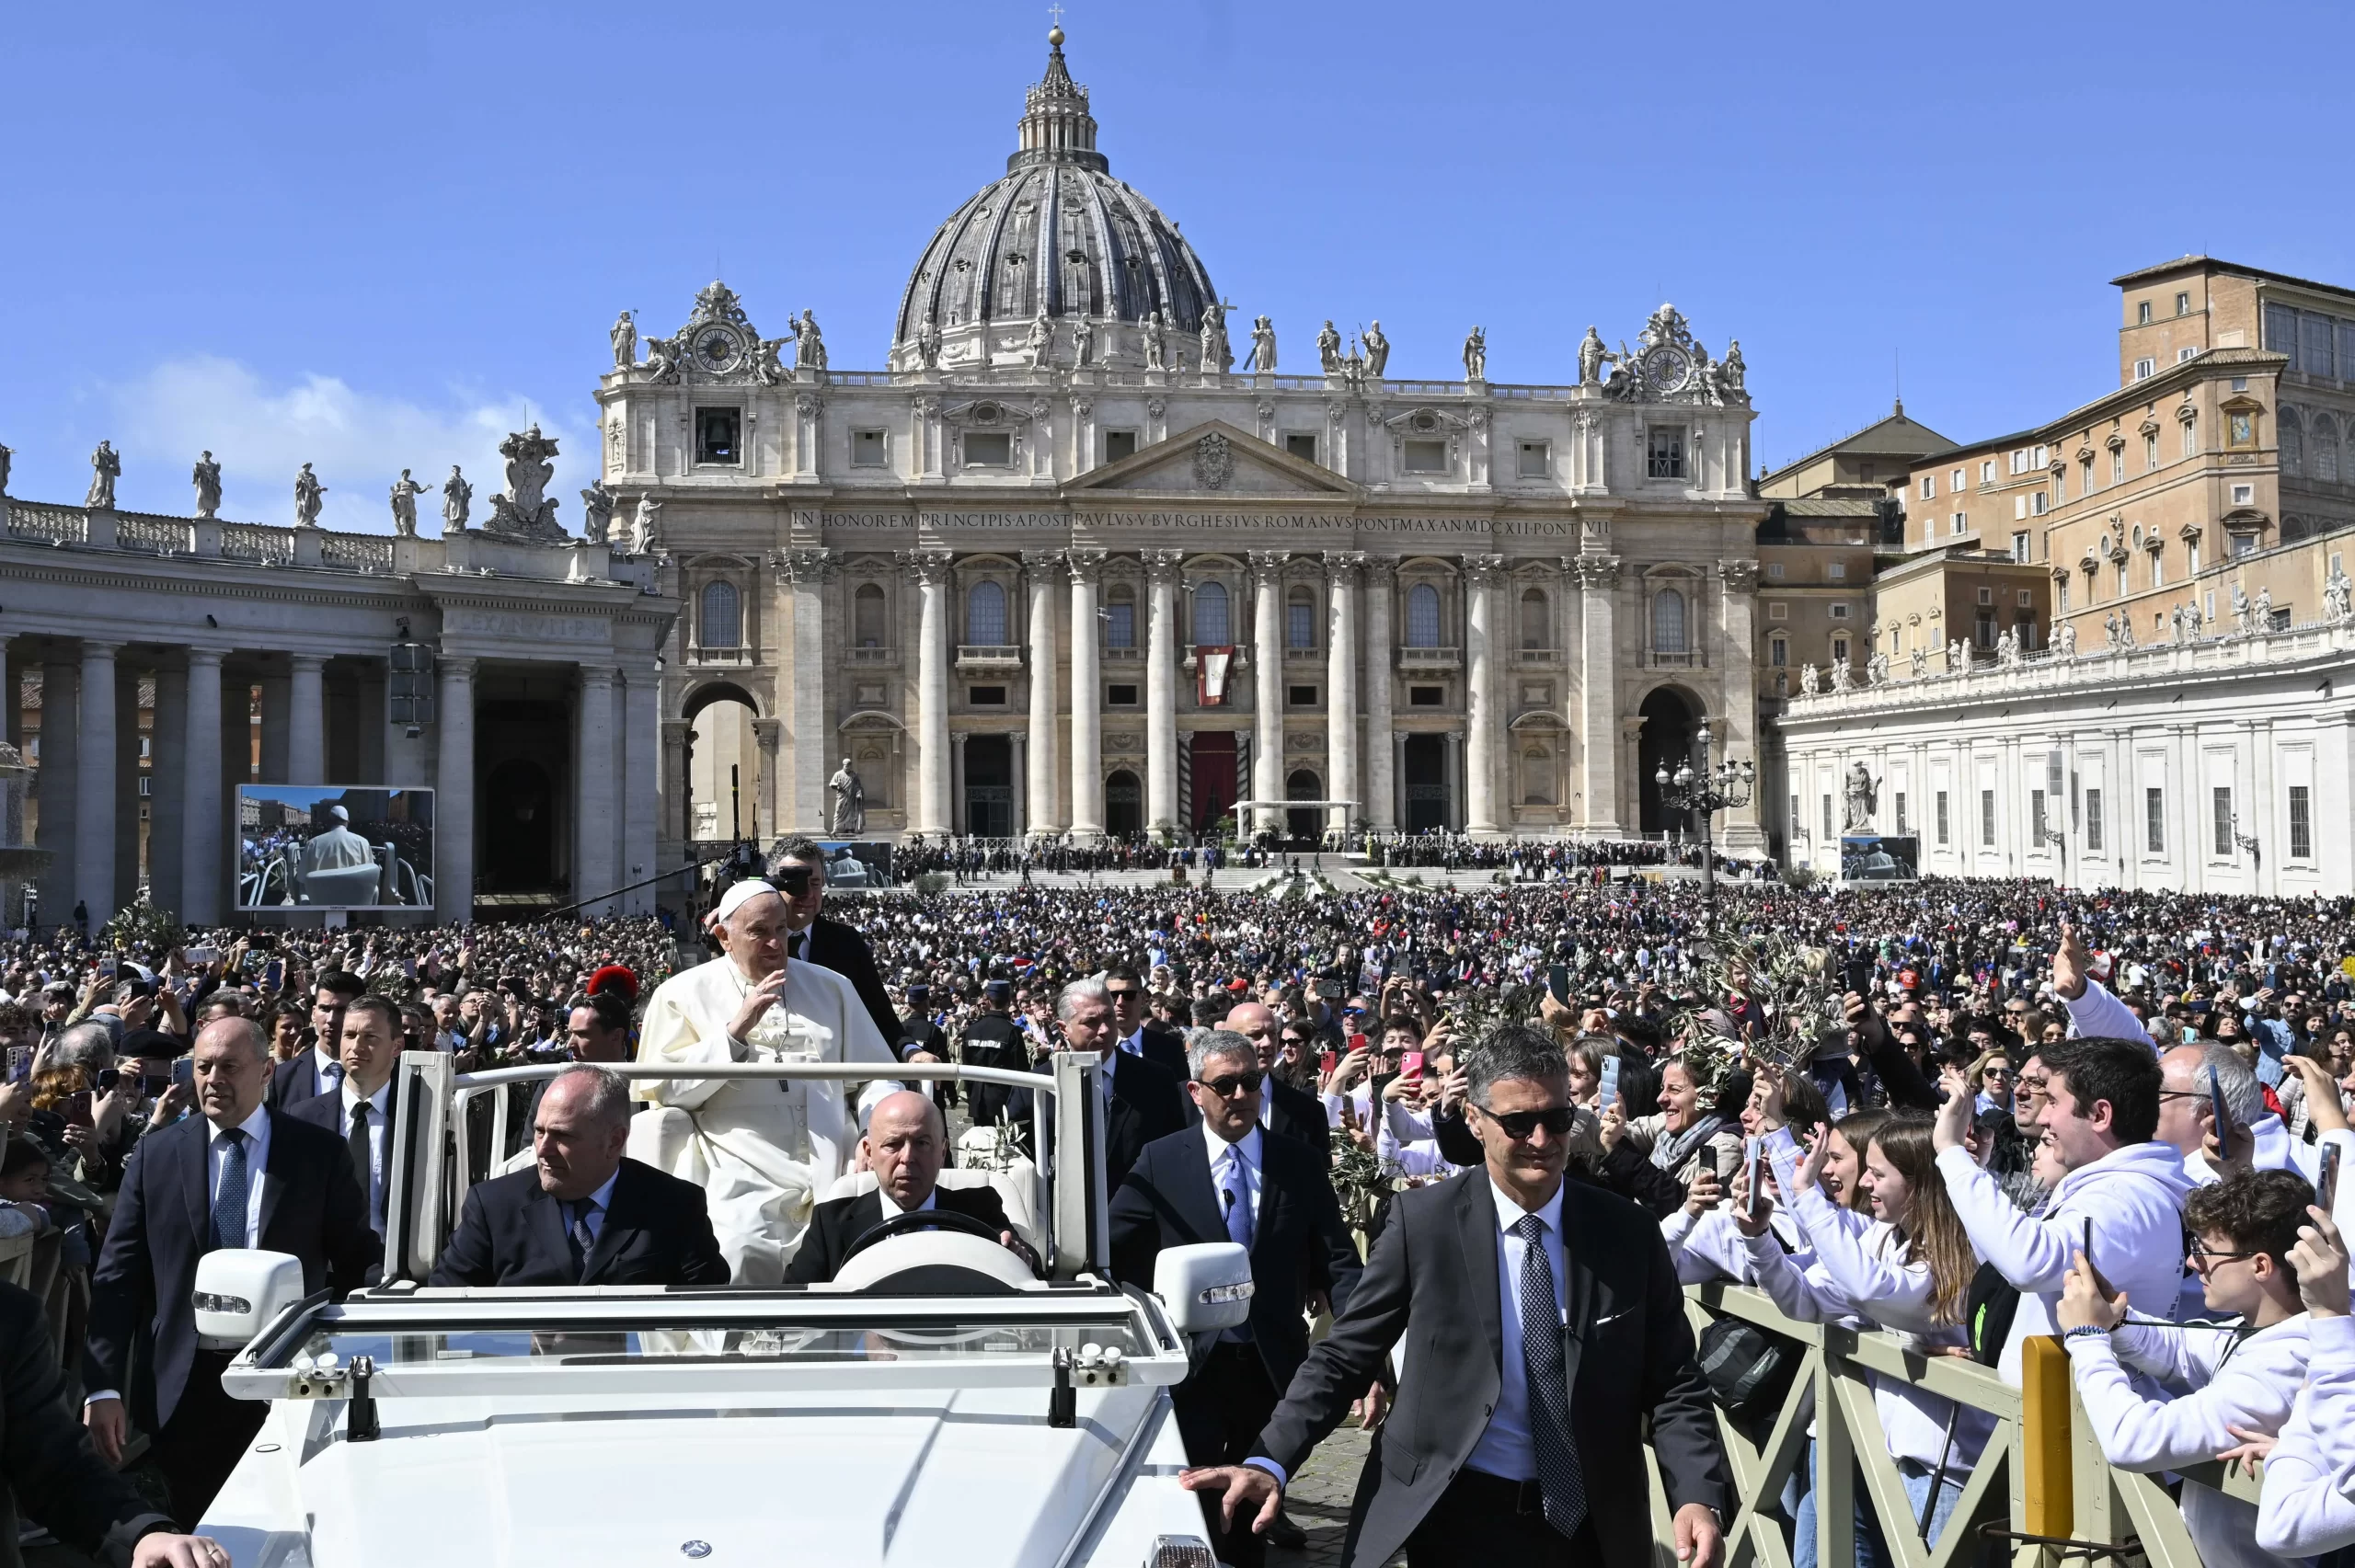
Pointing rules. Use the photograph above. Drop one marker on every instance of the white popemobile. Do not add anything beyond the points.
(935, 1405)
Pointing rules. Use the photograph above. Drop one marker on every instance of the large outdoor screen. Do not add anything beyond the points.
(1879, 858)
(334, 847)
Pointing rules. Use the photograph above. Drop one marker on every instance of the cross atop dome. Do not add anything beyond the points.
(1056, 126)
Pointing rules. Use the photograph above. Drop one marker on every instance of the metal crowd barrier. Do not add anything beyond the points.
(2041, 1494)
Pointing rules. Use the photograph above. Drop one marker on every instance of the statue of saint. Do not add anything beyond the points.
(597, 512)
(1958, 655)
(2068, 639)
(1216, 354)
(105, 469)
(1377, 351)
(207, 478)
(2126, 631)
(1328, 349)
(1210, 344)
(809, 347)
(308, 494)
(1863, 796)
(642, 540)
(1041, 341)
(1730, 370)
(850, 801)
(2240, 610)
(7, 455)
(1921, 662)
(624, 337)
(1476, 355)
(662, 359)
(1842, 676)
(1083, 343)
(1156, 350)
(1263, 346)
(927, 343)
(1592, 357)
(2263, 609)
(456, 495)
(405, 493)
(1810, 681)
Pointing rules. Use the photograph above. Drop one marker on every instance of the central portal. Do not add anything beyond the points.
(989, 786)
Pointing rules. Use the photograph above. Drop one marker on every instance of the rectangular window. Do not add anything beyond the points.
(2086, 477)
(1987, 472)
(1836, 571)
(2038, 503)
(2060, 586)
(1961, 523)
(1839, 651)
(1122, 696)
(1798, 823)
(1901, 811)
(717, 435)
(987, 450)
(1301, 445)
(1118, 444)
(2093, 821)
(1827, 818)
(146, 784)
(2117, 467)
(2036, 818)
(2220, 807)
(1945, 826)
(1426, 457)
(985, 697)
(1954, 482)
(2145, 368)
(2183, 304)
(2317, 352)
(1987, 819)
(1301, 696)
(867, 449)
(2141, 313)
(1426, 696)
(1121, 625)
(2020, 505)
(2281, 332)
(2302, 823)
(1777, 610)
(1665, 459)
(2183, 354)
(2190, 436)
(2154, 820)
(1929, 486)
(1774, 570)
(2020, 547)
(1838, 612)
(1986, 596)
(2151, 450)
(1300, 625)
(2243, 495)
(1536, 459)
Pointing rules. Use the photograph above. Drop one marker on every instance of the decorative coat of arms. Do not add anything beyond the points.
(1669, 366)
(524, 509)
(1213, 461)
(717, 344)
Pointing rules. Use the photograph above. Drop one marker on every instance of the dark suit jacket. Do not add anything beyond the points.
(45, 1455)
(292, 1083)
(656, 1232)
(1433, 1276)
(1171, 1200)
(837, 1222)
(1146, 1104)
(839, 947)
(1165, 1048)
(1292, 1112)
(325, 1112)
(163, 1222)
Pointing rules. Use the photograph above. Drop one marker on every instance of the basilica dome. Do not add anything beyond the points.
(1058, 237)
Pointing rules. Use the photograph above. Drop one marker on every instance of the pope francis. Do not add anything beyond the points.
(764, 1150)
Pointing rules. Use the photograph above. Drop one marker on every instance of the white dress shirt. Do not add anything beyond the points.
(322, 1080)
(1249, 1149)
(380, 1117)
(892, 1205)
(599, 1201)
(216, 1153)
(1505, 1448)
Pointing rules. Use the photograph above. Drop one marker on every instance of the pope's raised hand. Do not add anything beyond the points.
(757, 1002)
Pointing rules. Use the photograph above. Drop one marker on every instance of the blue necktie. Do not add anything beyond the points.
(330, 1078)
(229, 1204)
(582, 1238)
(1560, 1478)
(1235, 1195)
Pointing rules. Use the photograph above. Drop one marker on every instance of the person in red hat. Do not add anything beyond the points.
(619, 978)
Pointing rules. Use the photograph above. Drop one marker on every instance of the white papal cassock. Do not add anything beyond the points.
(764, 1150)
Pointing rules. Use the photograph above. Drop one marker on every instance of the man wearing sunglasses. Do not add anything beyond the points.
(1229, 1180)
(1546, 1326)
(799, 874)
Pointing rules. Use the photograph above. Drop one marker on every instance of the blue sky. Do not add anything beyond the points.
(375, 237)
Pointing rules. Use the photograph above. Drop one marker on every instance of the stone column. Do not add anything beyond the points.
(168, 808)
(454, 793)
(642, 734)
(1086, 698)
(1039, 781)
(931, 571)
(809, 571)
(126, 784)
(1598, 691)
(768, 734)
(1383, 765)
(94, 857)
(1481, 732)
(959, 819)
(1744, 829)
(1267, 685)
(307, 736)
(1162, 570)
(58, 782)
(277, 750)
(203, 812)
(675, 800)
(1021, 773)
(1341, 680)
(594, 797)
(1452, 760)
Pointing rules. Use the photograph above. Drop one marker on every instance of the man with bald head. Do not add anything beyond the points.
(240, 1174)
(1284, 1110)
(584, 1213)
(763, 1149)
(905, 1142)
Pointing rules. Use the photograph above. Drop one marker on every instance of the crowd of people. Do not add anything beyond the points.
(1965, 1113)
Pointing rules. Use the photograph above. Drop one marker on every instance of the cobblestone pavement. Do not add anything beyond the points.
(1319, 1499)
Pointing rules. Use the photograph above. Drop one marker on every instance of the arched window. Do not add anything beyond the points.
(1668, 622)
(1300, 619)
(2293, 444)
(2322, 446)
(1120, 618)
(866, 616)
(723, 619)
(1211, 628)
(1422, 616)
(985, 615)
(2191, 435)
(1536, 629)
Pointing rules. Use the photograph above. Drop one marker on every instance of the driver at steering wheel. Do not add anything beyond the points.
(905, 1142)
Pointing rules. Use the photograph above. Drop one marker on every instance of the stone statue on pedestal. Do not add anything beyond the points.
(7, 455)
(2067, 639)
(1810, 680)
(624, 337)
(456, 497)
(308, 497)
(2109, 631)
(1476, 355)
(1328, 349)
(1210, 346)
(809, 347)
(105, 469)
(1841, 678)
(642, 539)
(1592, 357)
(1863, 797)
(927, 343)
(1876, 669)
(1083, 343)
(405, 493)
(2261, 615)
(1957, 657)
(523, 510)
(662, 359)
(1263, 346)
(1041, 341)
(597, 512)
(2007, 649)
(1731, 371)
(1377, 351)
(2240, 610)
(207, 479)
(850, 801)
(1921, 662)
(2338, 592)
(1155, 348)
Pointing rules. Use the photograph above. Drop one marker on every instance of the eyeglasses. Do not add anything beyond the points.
(1234, 1084)
(1997, 1073)
(794, 883)
(2199, 1253)
(1519, 1125)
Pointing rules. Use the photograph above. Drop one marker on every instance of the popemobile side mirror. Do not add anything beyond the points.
(239, 1291)
(1206, 1287)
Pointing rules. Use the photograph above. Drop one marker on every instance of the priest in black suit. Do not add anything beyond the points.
(1141, 1101)
(1550, 1348)
(583, 1215)
(905, 1142)
(1228, 1180)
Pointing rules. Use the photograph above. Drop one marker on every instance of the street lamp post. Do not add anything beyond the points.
(1704, 793)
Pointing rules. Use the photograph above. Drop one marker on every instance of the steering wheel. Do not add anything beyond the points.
(920, 1219)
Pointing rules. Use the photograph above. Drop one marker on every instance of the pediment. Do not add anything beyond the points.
(1215, 459)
